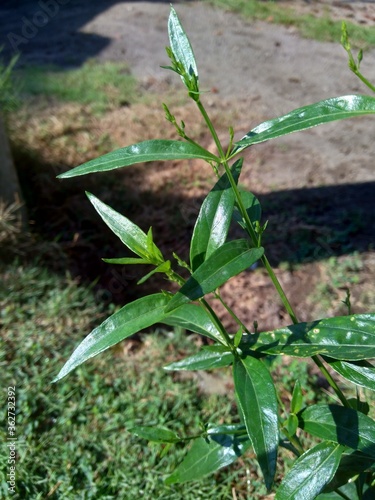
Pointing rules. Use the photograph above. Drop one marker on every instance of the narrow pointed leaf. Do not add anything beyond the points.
(227, 261)
(257, 401)
(212, 225)
(164, 267)
(361, 373)
(194, 319)
(297, 398)
(341, 425)
(209, 455)
(128, 232)
(292, 424)
(153, 250)
(203, 360)
(180, 45)
(311, 472)
(336, 108)
(348, 338)
(155, 434)
(153, 150)
(130, 319)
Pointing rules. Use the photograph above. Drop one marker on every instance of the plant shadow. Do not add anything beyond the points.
(304, 225)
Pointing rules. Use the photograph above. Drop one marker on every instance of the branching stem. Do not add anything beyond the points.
(255, 240)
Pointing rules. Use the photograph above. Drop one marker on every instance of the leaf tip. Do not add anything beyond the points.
(58, 377)
(170, 480)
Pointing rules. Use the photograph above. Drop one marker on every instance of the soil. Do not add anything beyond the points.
(316, 187)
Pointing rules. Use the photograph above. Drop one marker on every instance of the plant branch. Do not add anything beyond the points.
(256, 243)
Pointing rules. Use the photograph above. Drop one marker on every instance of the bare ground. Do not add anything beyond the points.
(316, 187)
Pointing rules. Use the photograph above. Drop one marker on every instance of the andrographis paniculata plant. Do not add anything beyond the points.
(346, 451)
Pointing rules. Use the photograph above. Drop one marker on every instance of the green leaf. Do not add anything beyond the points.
(227, 261)
(297, 399)
(128, 232)
(164, 267)
(203, 360)
(153, 150)
(181, 48)
(343, 337)
(350, 465)
(238, 336)
(130, 319)
(257, 401)
(361, 373)
(207, 455)
(238, 429)
(155, 434)
(212, 225)
(336, 108)
(252, 206)
(194, 319)
(291, 424)
(340, 425)
(310, 472)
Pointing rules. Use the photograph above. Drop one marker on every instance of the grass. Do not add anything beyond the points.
(8, 101)
(103, 86)
(72, 437)
(318, 28)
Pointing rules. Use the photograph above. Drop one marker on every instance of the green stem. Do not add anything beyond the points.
(280, 290)
(364, 79)
(256, 243)
(211, 128)
(239, 432)
(249, 225)
(232, 313)
(219, 325)
(296, 444)
(319, 363)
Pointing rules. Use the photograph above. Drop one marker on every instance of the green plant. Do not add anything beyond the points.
(8, 99)
(79, 449)
(342, 344)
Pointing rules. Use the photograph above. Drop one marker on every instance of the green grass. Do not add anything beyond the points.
(72, 436)
(101, 85)
(8, 99)
(318, 28)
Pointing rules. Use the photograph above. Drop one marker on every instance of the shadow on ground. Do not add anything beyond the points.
(49, 33)
(305, 225)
